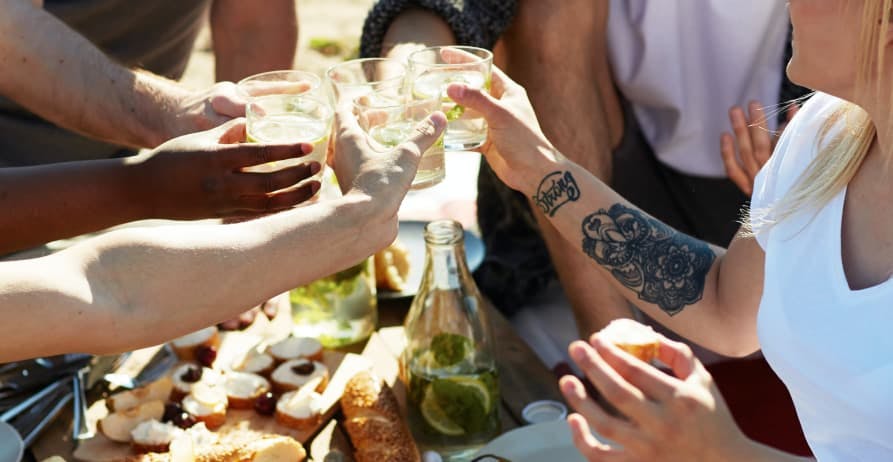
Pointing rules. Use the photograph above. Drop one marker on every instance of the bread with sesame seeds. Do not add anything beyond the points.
(372, 419)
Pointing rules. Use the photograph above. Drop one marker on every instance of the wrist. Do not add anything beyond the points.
(162, 101)
(141, 182)
(376, 218)
(548, 160)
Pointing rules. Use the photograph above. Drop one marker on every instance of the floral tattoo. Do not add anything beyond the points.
(663, 266)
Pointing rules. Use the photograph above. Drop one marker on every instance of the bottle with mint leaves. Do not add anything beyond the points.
(448, 363)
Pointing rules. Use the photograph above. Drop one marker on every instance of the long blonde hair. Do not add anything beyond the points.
(840, 157)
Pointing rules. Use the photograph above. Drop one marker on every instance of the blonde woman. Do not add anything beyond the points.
(810, 284)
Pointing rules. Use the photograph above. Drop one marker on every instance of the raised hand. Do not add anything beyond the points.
(518, 143)
(200, 176)
(746, 151)
(668, 417)
(363, 168)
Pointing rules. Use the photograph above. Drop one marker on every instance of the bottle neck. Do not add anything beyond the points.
(447, 263)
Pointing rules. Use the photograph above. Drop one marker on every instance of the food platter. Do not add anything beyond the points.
(535, 443)
(412, 236)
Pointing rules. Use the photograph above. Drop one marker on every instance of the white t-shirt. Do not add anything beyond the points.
(683, 63)
(830, 345)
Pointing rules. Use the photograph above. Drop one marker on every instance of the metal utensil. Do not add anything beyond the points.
(160, 363)
(35, 419)
(489, 458)
(11, 445)
(14, 411)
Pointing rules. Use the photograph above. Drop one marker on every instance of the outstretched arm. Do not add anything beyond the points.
(97, 96)
(192, 177)
(138, 287)
(704, 293)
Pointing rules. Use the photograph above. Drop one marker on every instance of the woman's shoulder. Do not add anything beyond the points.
(797, 148)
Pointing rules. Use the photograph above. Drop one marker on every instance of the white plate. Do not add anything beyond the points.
(412, 236)
(550, 441)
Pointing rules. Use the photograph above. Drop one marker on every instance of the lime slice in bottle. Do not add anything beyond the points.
(436, 417)
(474, 387)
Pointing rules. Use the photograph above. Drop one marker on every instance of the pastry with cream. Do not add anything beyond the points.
(300, 409)
(185, 376)
(207, 403)
(153, 436)
(296, 373)
(635, 338)
(257, 363)
(189, 347)
(243, 388)
(296, 348)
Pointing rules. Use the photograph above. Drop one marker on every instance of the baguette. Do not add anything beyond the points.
(372, 419)
(269, 448)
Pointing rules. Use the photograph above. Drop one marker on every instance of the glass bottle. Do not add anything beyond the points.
(448, 362)
(340, 309)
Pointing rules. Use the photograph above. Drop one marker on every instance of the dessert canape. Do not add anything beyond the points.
(258, 363)
(187, 375)
(207, 404)
(294, 374)
(296, 348)
(157, 390)
(299, 409)
(636, 339)
(118, 425)
(190, 346)
(243, 388)
(153, 436)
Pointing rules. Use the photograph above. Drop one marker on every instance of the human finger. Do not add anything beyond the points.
(654, 383)
(734, 170)
(231, 132)
(759, 134)
(742, 137)
(242, 155)
(678, 356)
(606, 425)
(270, 182)
(346, 124)
(498, 79)
(615, 389)
(227, 101)
(261, 88)
(479, 100)
(269, 203)
(589, 446)
(424, 135)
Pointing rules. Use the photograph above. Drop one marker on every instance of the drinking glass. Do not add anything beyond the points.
(358, 77)
(391, 119)
(432, 70)
(290, 119)
(288, 82)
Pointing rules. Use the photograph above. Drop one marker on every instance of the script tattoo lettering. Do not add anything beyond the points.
(556, 189)
(663, 266)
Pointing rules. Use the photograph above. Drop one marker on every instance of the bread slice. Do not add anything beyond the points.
(118, 425)
(270, 448)
(154, 391)
(374, 423)
(636, 339)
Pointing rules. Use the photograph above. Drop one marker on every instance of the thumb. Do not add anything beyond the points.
(476, 98)
(426, 133)
(230, 132)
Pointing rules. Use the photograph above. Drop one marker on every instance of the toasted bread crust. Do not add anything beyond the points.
(374, 423)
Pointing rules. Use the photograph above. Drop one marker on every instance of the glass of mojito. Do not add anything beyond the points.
(391, 119)
(290, 119)
(282, 83)
(358, 77)
(433, 69)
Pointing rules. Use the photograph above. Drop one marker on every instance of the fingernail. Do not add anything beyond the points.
(439, 120)
(314, 188)
(577, 352)
(306, 148)
(314, 168)
(457, 90)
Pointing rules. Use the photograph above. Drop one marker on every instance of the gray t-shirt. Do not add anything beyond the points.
(156, 35)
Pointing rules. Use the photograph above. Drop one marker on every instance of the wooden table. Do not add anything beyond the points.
(523, 378)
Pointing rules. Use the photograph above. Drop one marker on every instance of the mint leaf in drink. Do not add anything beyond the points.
(450, 349)
(455, 113)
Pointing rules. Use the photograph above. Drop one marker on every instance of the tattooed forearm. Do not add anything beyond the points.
(663, 266)
(556, 189)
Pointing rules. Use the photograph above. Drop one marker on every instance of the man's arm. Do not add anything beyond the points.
(191, 177)
(580, 114)
(250, 38)
(59, 75)
(139, 287)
